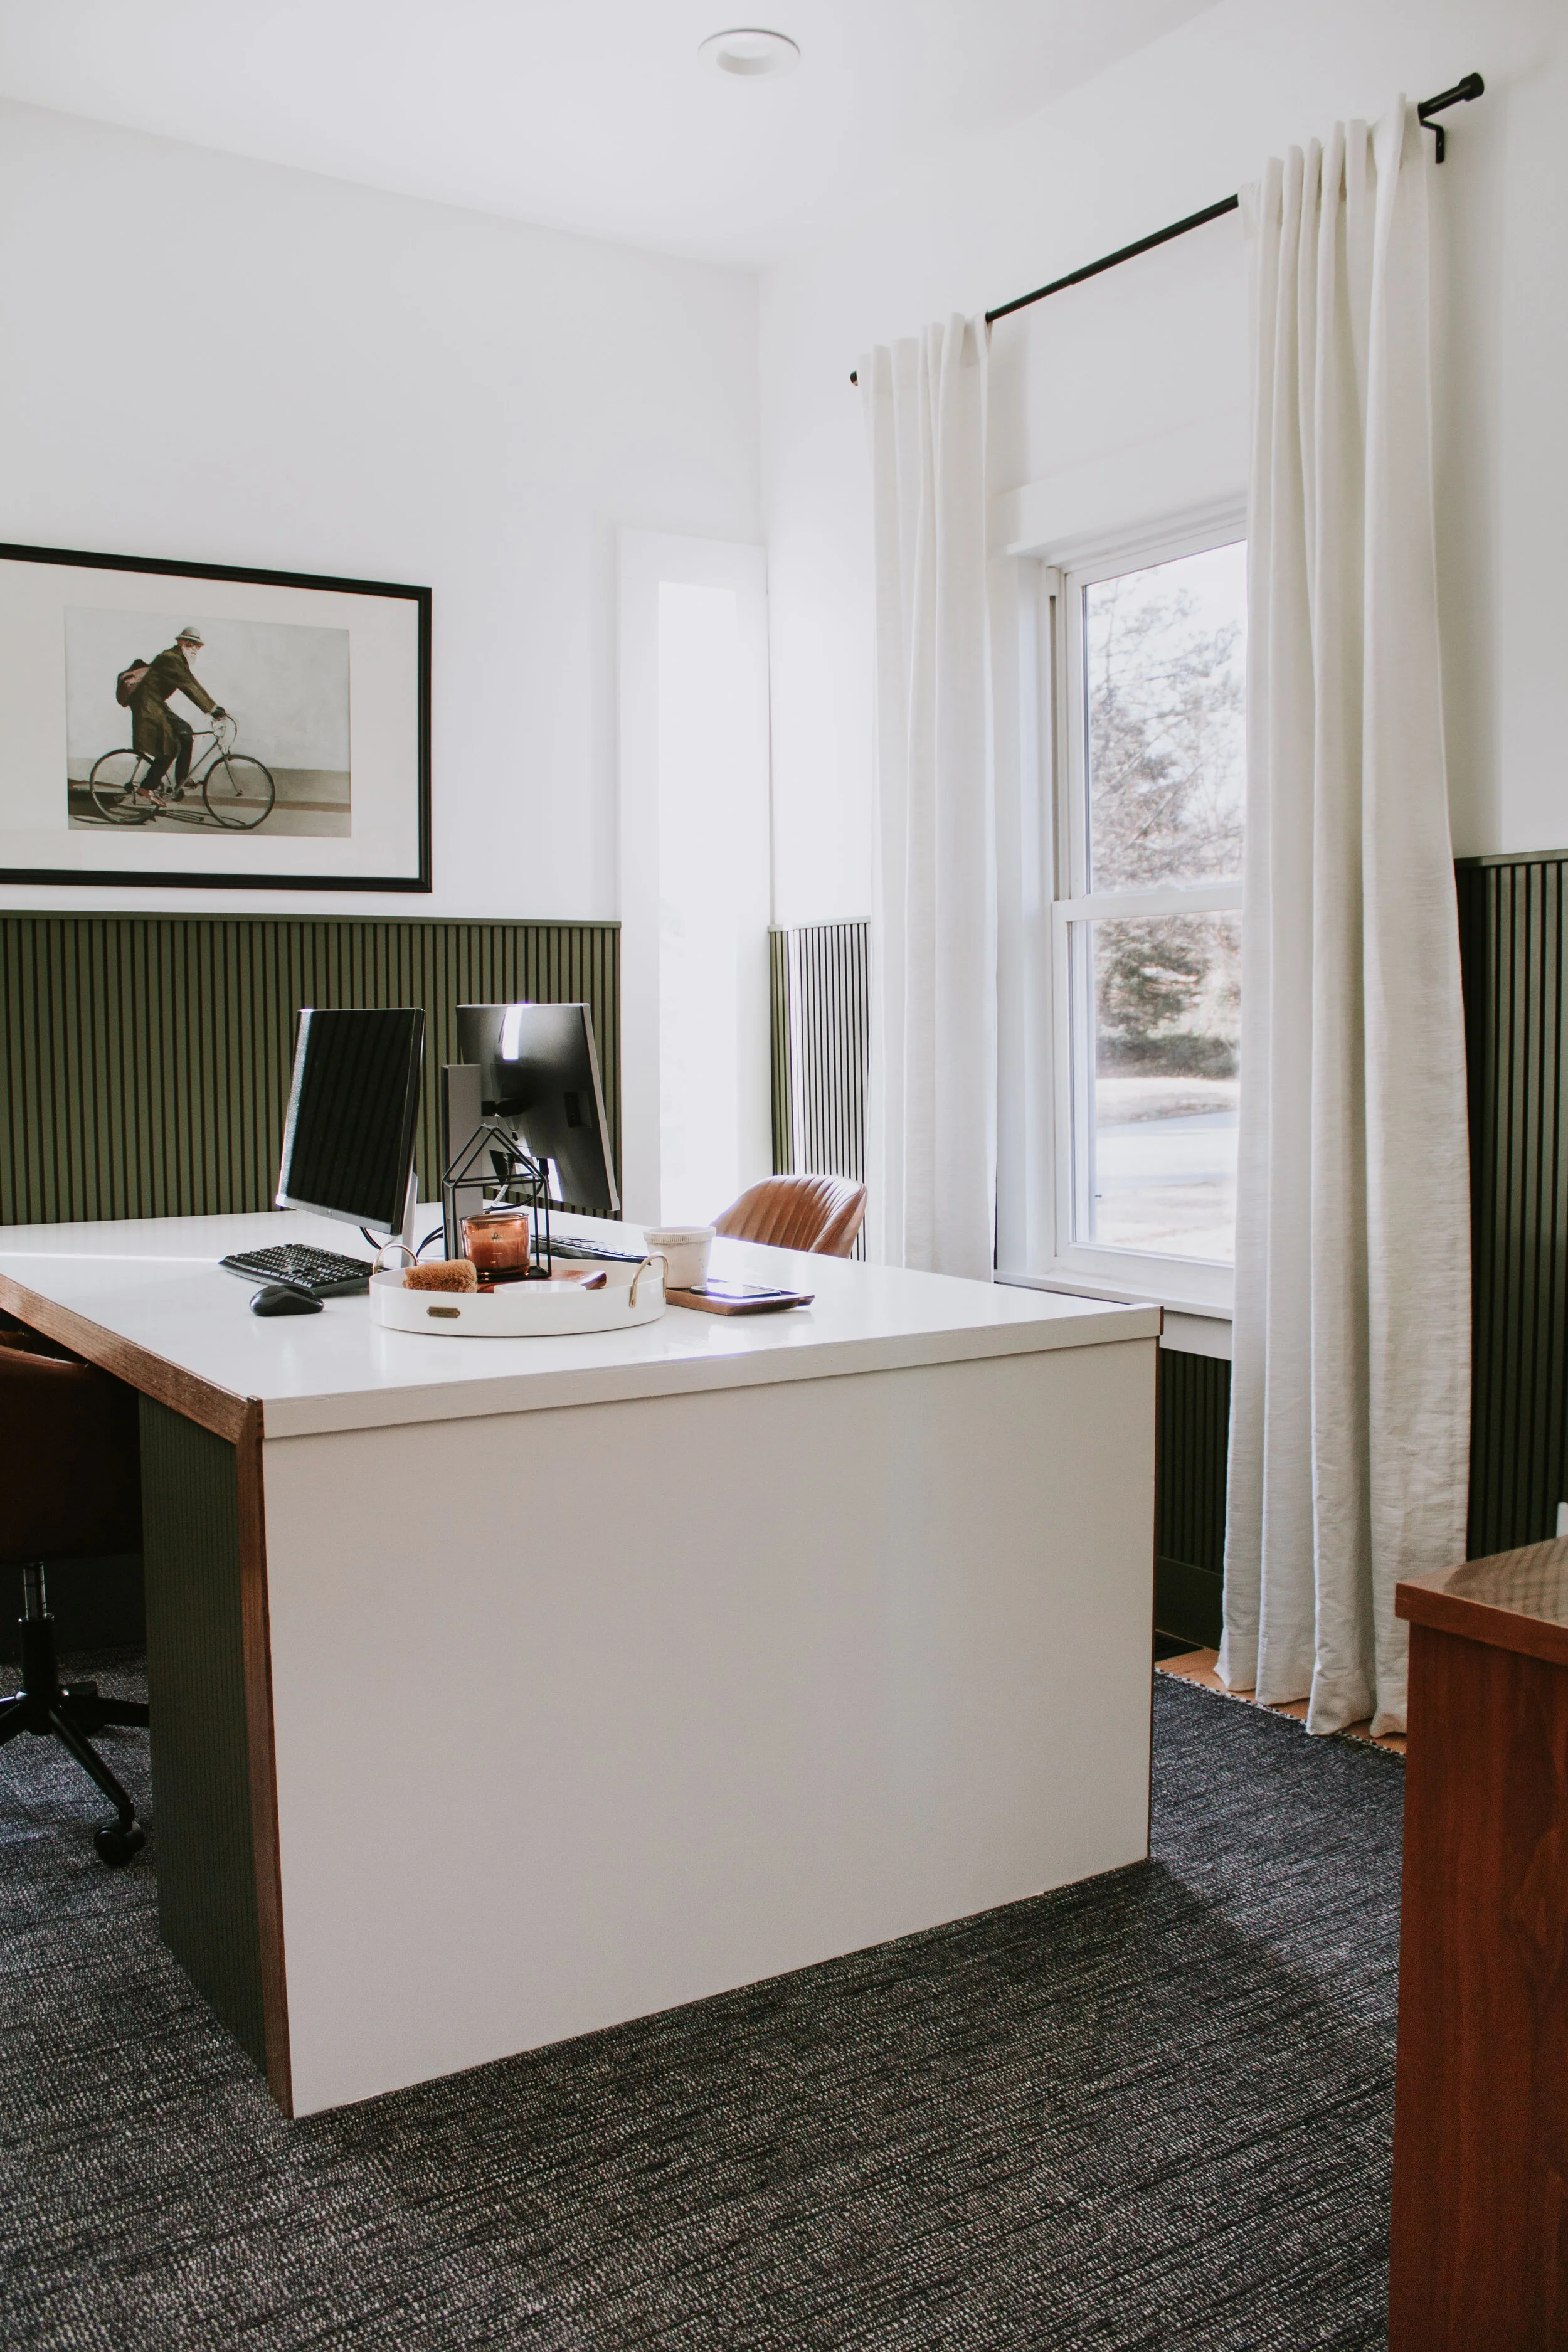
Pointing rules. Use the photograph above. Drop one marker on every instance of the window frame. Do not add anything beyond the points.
(1204, 1285)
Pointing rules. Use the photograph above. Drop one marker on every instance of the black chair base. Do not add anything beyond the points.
(71, 1713)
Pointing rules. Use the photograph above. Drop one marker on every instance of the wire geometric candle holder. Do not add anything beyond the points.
(512, 1171)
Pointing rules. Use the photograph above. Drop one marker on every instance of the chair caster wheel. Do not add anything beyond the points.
(116, 1845)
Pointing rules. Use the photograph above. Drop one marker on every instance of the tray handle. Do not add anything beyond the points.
(643, 1268)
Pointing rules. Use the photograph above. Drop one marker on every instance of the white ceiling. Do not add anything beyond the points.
(591, 117)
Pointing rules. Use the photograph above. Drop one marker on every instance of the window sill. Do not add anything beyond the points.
(1193, 1326)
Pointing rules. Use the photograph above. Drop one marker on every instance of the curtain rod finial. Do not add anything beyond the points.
(1472, 86)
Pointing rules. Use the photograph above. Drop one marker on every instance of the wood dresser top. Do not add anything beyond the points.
(1514, 1601)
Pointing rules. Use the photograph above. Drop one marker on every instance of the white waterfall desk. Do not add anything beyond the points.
(505, 1689)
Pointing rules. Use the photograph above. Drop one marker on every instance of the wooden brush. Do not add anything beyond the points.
(447, 1273)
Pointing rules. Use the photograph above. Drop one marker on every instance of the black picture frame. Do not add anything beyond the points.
(417, 882)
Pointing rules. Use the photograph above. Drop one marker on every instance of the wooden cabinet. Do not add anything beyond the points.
(1480, 2251)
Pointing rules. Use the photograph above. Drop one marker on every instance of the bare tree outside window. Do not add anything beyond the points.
(1167, 707)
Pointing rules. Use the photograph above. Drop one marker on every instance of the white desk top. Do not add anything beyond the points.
(156, 1285)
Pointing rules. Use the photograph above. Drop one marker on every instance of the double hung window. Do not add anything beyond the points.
(1147, 922)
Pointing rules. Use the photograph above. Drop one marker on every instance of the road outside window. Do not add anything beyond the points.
(1165, 1015)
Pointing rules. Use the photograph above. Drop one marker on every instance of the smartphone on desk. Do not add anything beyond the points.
(715, 1297)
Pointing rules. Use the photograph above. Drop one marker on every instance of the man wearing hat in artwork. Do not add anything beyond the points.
(155, 730)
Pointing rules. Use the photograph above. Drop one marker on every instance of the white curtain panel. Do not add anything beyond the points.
(1349, 1415)
(931, 1117)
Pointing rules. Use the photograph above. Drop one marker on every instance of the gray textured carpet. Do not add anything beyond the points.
(1152, 2111)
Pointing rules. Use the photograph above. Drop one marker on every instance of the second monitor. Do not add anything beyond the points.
(534, 1069)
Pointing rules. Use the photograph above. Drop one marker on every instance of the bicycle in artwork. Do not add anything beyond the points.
(225, 787)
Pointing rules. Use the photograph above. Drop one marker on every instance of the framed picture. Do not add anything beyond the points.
(204, 725)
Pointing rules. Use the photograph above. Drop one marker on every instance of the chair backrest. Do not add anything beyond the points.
(72, 1488)
(822, 1213)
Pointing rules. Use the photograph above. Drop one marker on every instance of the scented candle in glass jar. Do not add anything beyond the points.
(496, 1240)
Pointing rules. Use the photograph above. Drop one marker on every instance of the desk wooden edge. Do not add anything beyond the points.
(219, 1409)
(240, 1422)
(1423, 1600)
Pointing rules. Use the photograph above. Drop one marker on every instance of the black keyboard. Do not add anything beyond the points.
(570, 1246)
(329, 1276)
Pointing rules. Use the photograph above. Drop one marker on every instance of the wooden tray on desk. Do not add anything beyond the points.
(739, 1298)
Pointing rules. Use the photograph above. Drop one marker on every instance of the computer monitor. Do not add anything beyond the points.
(348, 1137)
(538, 1075)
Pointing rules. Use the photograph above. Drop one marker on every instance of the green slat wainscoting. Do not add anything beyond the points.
(147, 1056)
(1515, 956)
(1189, 1496)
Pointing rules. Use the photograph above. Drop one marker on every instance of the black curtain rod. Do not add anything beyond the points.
(1471, 87)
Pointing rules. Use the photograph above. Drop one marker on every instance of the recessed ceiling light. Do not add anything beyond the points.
(749, 51)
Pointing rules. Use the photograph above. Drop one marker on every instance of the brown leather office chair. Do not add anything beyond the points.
(72, 1490)
(822, 1213)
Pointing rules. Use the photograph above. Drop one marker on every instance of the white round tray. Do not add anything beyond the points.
(520, 1310)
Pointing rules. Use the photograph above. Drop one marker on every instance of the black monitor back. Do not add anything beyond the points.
(538, 1073)
(353, 1104)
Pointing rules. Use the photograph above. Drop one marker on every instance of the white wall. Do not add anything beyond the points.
(696, 1101)
(211, 359)
(1184, 122)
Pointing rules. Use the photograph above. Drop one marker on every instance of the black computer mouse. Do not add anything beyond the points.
(280, 1298)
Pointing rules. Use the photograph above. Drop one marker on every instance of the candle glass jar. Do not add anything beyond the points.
(496, 1239)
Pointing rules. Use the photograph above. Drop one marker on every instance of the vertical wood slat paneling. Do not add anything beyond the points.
(780, 1052)
(1511, 914)
(1194, 1414)
(821, 1034)
(147, 1056)
(821, 1044)
(1193, 1407)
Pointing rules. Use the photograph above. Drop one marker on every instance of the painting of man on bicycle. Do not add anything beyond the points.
(160, 734)
(273, 756)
